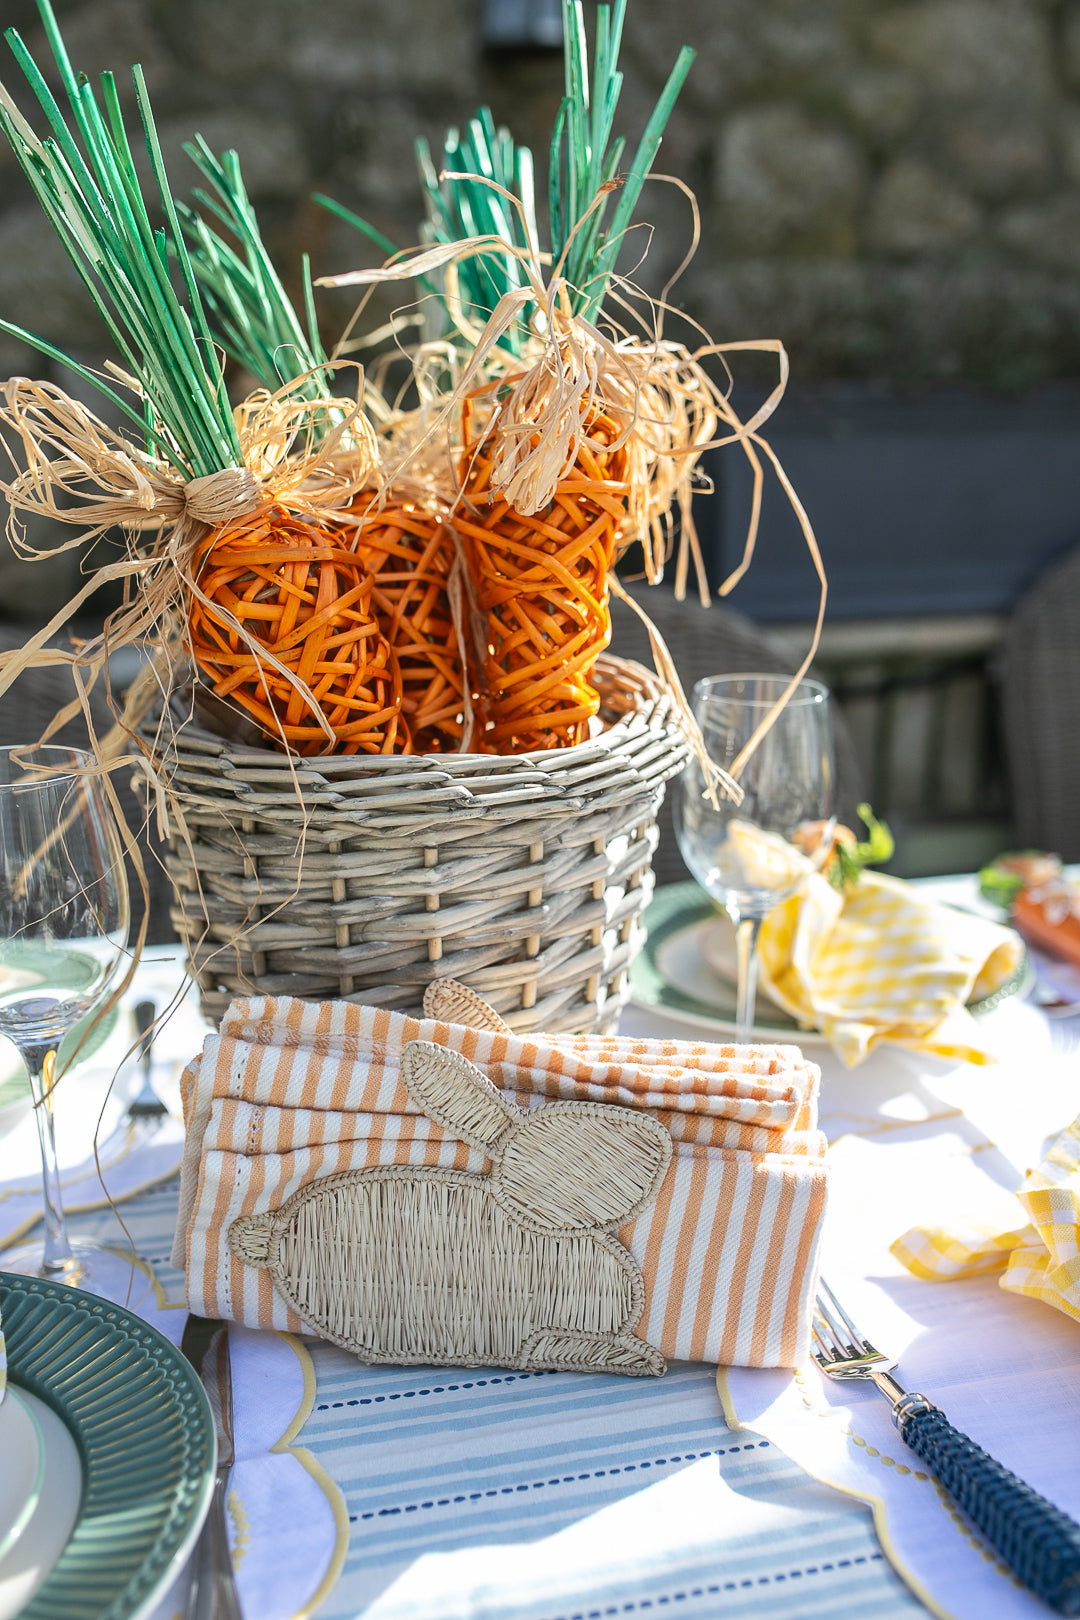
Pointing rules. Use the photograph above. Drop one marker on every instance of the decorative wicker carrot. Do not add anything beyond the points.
(541, 582)
(275, 609)
(560, 474)
(411, 554)
(272, 582)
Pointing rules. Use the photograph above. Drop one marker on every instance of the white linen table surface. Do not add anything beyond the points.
(410, 1492)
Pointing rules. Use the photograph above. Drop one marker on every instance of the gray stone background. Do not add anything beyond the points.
(892, 189)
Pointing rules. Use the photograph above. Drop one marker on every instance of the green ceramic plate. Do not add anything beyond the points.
(144, 1429)
(672, 975)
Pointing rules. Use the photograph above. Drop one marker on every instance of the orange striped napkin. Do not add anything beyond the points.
(289, 1092)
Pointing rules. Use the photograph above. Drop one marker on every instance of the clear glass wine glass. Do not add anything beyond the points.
(63, 933)
(752, 855)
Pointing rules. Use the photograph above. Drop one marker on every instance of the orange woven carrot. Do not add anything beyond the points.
(298, 593)
(541, 583)
(410, 555)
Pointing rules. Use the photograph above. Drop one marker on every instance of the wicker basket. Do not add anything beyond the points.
(523, 876)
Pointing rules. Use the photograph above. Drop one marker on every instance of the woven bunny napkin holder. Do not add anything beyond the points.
(519, 1267)
(352, 1172)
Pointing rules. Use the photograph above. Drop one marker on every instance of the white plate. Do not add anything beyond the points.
(23, 1472)
(45, 1534)
(688, 958)
(673, 975)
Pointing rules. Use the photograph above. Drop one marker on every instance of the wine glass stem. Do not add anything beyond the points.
(58, 1260)
(746, 933)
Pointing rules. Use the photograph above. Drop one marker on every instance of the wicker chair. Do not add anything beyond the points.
(714, 641)
(1042, 711)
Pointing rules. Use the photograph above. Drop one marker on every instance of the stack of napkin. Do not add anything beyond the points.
(1040, 1258)
(289, 1093)
(882, 962)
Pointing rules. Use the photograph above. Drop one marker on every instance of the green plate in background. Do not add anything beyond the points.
(671, 975)
(689, 991)
(143, 1426)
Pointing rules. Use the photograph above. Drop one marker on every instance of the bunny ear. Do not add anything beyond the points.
(577, 1165)
(452, 1003)
(452, 1091)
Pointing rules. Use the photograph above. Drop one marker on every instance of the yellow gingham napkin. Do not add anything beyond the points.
(1041, 1259)
(882, 962)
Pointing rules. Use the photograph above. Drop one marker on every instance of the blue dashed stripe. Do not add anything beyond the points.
(715, 1588)
(436, 1389)
(563, 1479)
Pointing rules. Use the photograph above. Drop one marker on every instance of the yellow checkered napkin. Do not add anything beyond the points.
(1042, 1259)
(884, 963)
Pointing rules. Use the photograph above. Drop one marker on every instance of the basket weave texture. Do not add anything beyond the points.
(366, 878)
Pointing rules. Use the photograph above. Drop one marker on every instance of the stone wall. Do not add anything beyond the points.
(892, 188)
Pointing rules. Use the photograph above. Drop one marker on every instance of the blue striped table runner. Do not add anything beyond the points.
(489, 1495)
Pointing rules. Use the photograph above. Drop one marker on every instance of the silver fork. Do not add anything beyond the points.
(1040, 1544)
(146, 1104)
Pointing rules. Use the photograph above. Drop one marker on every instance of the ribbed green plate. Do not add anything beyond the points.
(143, 1426)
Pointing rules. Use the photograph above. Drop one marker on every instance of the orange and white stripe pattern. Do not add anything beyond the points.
(289, 1092)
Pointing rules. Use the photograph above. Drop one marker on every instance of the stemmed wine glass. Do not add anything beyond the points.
(752, 855)
(63, 932)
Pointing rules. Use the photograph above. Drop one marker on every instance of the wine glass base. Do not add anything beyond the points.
(113, 1274)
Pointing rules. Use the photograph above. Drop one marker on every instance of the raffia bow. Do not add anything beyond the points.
(70, 467)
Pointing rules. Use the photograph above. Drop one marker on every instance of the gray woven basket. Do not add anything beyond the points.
(523, 876)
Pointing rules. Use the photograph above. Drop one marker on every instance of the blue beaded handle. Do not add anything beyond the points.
(1037, 1541)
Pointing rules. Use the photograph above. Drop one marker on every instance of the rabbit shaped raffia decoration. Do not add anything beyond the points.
(516, 1268)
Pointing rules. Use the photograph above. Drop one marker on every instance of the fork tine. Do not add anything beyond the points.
(843, 1344)
(830, 1340)
(825, 1339)
(826, 1299)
